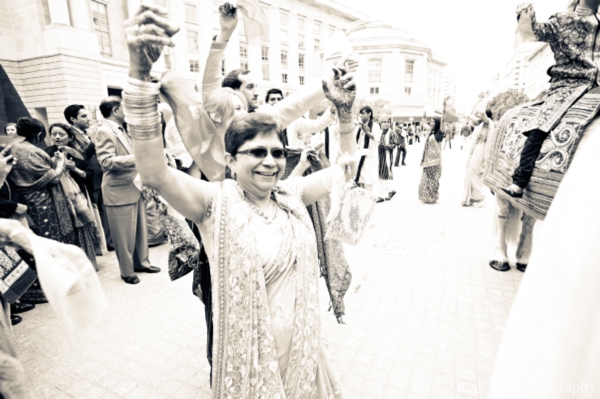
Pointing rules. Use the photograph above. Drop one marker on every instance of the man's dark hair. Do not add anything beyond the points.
(108, 104)
(246, 127)
(273, 91)
(488, 112)
(368, 109)
(232, 79)
(72, 111)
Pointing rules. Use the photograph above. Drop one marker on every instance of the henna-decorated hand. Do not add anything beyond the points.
(342, 93)
(147, 33)
(228, 17)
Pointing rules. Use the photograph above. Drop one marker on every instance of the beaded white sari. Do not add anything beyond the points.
(265, 299)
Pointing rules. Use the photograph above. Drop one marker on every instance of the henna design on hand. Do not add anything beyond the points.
(342, 95)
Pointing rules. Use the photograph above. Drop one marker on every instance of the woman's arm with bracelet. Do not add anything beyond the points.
(342, 95)
(187, 195)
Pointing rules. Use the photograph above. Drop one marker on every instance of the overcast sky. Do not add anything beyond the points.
(475, 37)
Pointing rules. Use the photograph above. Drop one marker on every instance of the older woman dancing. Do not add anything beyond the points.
(256, 230)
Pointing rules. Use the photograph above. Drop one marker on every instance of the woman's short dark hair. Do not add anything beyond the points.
(31, 128)
(368, 109)
(246, 127)
(64, 127)
(488, 112)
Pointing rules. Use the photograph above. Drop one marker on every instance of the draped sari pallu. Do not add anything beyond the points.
(245, 357)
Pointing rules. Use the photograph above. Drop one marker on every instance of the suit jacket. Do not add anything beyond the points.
(116, 159)
(94, 178)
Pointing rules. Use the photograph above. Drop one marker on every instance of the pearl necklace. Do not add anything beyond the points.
(268, 219)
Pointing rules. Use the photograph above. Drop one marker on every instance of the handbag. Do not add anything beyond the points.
(355, 210)
(15, 275)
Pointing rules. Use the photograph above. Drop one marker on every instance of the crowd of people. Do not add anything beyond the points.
(229, 181)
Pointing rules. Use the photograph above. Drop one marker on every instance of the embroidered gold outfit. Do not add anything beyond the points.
(265, 297)
(572, 36)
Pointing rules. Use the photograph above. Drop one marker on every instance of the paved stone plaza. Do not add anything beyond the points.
(425, 313)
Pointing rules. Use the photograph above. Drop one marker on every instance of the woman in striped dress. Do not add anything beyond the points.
(386, 156)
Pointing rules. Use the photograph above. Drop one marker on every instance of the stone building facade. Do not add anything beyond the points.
(60, 52)
(398, 67)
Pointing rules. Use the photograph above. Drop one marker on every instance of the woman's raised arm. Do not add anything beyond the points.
(342, 95)
(147, 33)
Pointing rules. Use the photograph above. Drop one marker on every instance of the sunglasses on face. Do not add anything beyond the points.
(276, 153)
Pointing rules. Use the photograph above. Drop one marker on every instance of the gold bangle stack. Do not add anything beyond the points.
(140, 100)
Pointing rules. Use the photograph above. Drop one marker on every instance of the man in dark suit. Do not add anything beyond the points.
(77, 116)
(125, 208)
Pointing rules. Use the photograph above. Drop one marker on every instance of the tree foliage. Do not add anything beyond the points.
(505, 101)
(379, 106)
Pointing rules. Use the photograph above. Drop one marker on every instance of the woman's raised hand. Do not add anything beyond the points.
(6, 163)
(228, 17)
(343, 91)
(147, 33)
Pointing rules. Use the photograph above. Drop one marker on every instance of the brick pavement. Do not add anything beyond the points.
(424, 313)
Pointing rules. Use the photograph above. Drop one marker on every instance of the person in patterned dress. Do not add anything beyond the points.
(572, 36)
(432, 165)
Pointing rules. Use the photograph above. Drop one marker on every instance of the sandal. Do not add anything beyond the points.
(501, 267)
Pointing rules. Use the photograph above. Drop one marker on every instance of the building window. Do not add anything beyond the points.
(193, 53)
(300, 41)
(317, 44)
(331, 30)
(243, 56)
(167, 57)
(408, 91)
(284, 78)
(301, 78)
(301, 62)
(191, 14)
(374, 90)
(284, 59)
(194, 65)
(283, 18)
(283, 36)
(409, 71)
(300, 23)
(192, 41)
(317, 28)
(265, 62)
(375, 72)
(100, 18)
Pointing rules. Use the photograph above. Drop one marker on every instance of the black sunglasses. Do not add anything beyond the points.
(276, 153)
